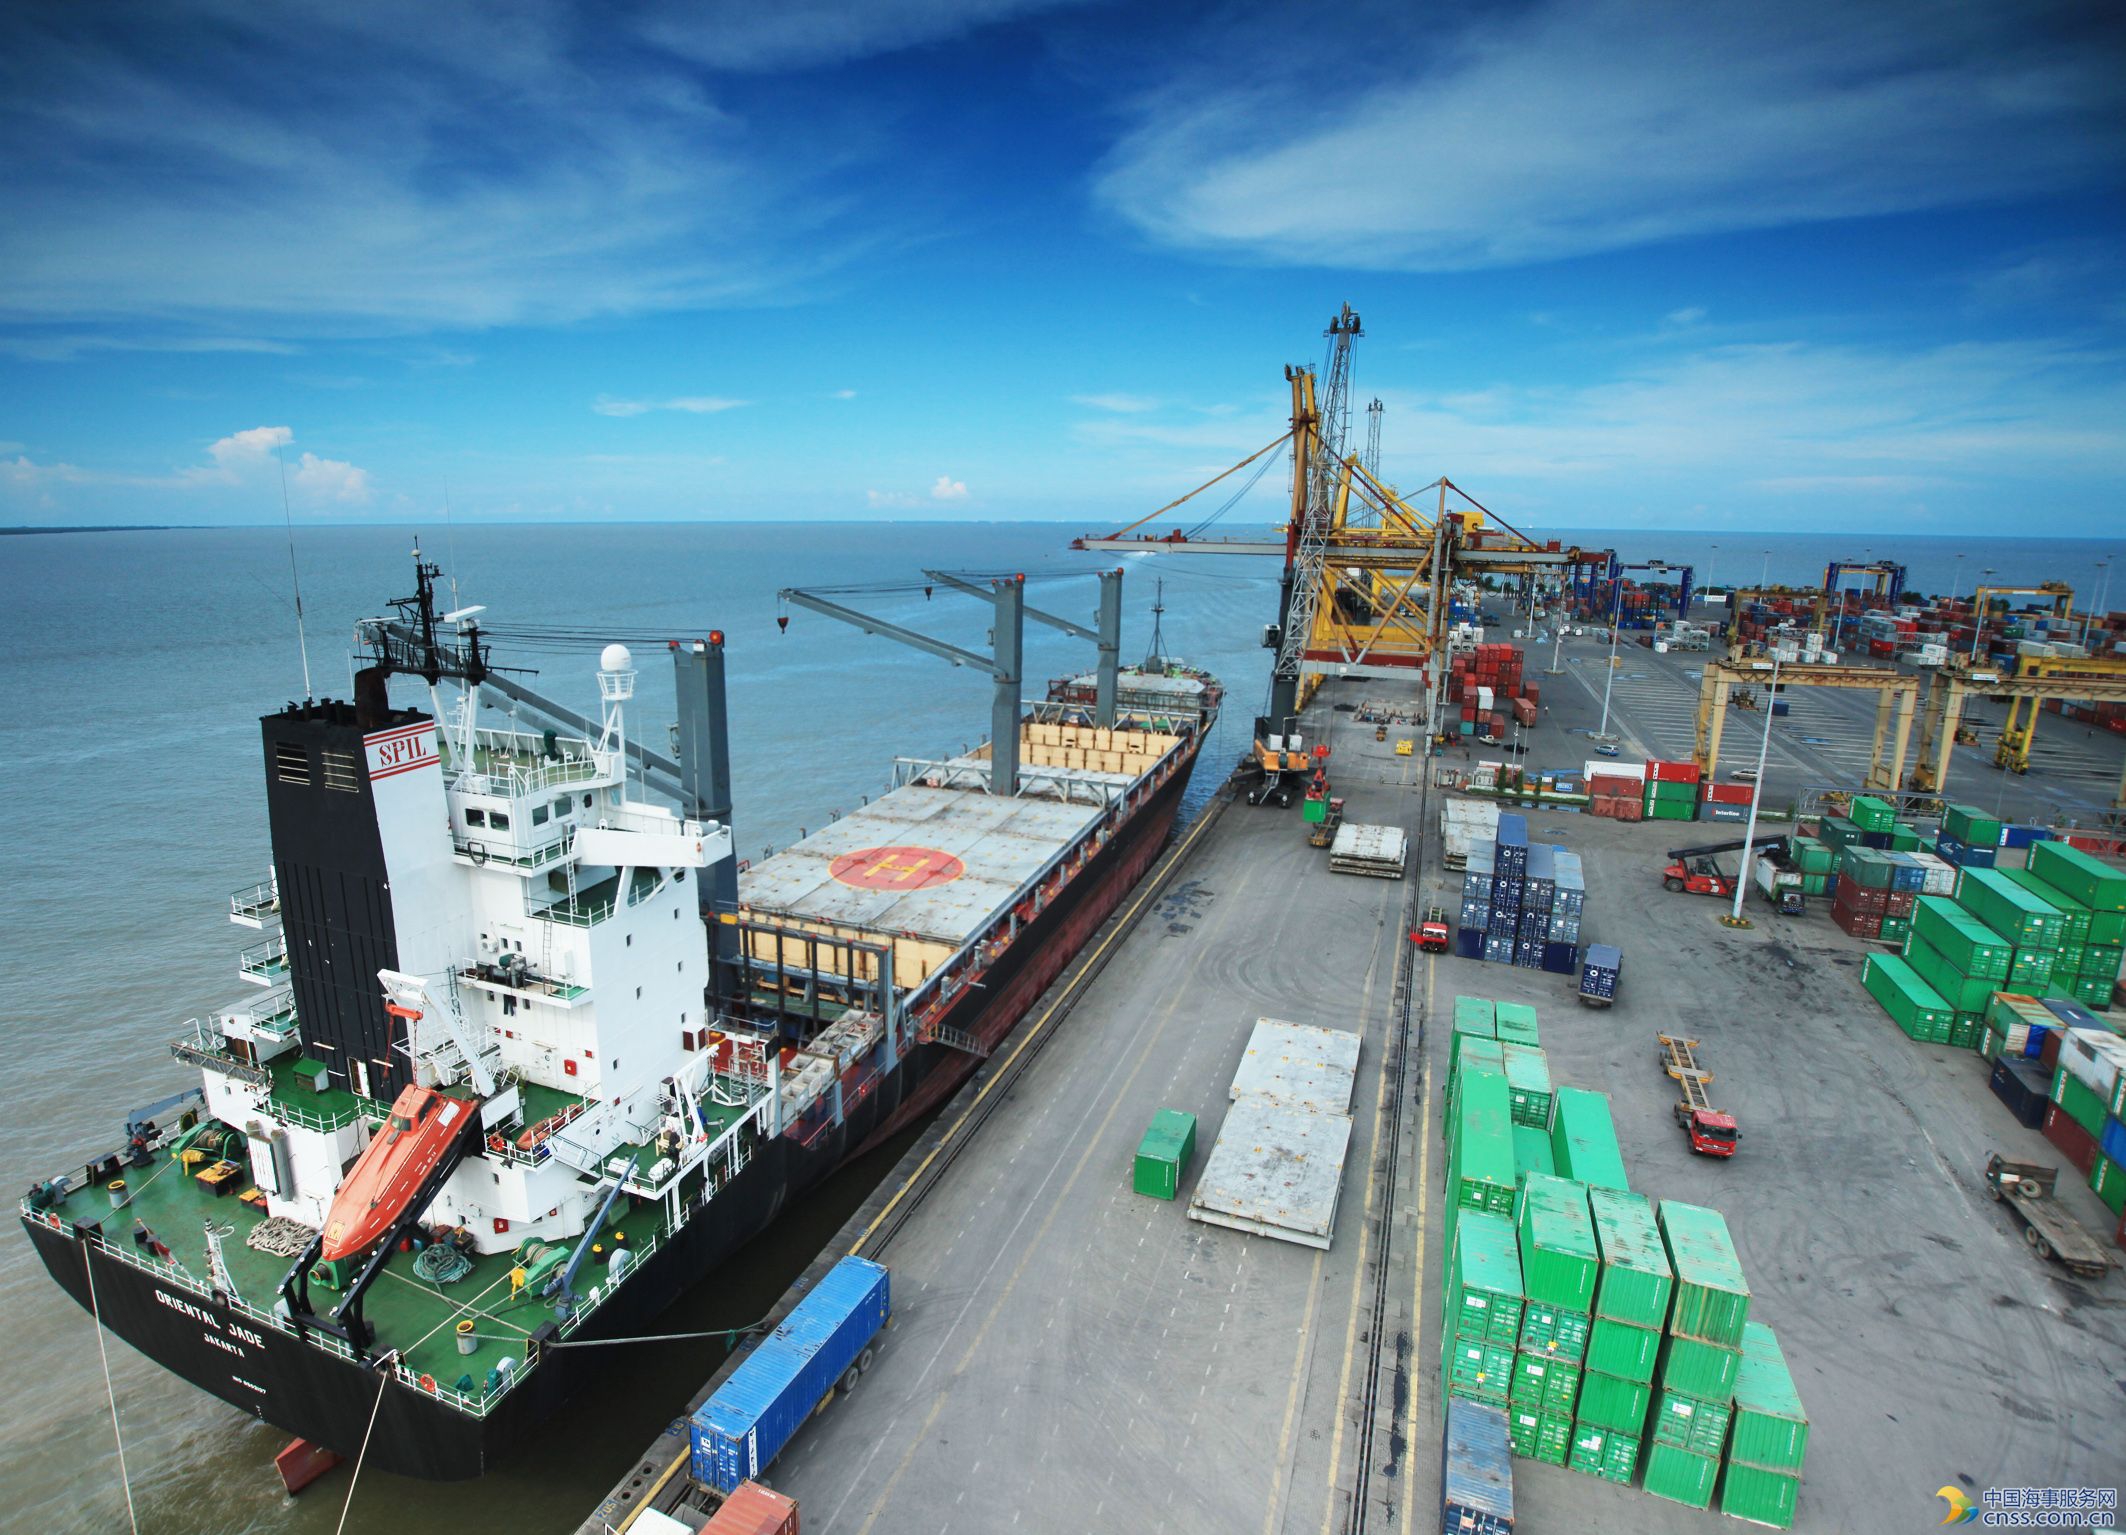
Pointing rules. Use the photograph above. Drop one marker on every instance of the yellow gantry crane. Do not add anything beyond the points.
(2035, 679)
(1365, 567)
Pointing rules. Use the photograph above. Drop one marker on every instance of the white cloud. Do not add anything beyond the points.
(843, 394)
(1121, 404)
(795, 34)
(248, 449)
(245, 461)
(1566, 127)
(49, 346)
(948, 489)
(692, 404)
(328, 480)
(1683, 317)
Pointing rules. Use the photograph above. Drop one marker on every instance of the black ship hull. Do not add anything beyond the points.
(328, 1399)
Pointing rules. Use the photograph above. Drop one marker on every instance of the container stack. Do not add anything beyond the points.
(2091, 895)
(1761, 1481)
(2088, 1103)
(2035, 927)
(1484, 682)
(1671, 791)
(1969, 838)
(1616, 791)
(1522, 902)
(1916, 1008)
(1725, 801)
(1964, 960)
(1816, 863)
(1700, 1357)
(1862, 898)
(1624, 1339)
(1559, 1267)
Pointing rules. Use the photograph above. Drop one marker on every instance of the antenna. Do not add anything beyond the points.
(1156, 656)
(295, 577)
(450, 541)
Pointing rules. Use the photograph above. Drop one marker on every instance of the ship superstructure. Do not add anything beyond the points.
(528, 1055)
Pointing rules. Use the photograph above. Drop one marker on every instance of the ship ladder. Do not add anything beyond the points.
(955, 1039)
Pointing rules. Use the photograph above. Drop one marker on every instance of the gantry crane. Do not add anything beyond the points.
(1365, 569)
(2036, 678)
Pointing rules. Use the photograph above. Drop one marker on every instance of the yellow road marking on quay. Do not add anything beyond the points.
(1173, 861)
(1417, 1309)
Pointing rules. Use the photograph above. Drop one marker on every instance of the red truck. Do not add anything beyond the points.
(1711, 1132)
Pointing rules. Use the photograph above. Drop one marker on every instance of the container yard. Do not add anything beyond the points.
(1655, 1337)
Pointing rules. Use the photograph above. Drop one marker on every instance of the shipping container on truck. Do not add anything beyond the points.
(826, 1340)
(1599, 974)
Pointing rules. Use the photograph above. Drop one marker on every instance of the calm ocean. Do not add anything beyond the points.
(137, 665)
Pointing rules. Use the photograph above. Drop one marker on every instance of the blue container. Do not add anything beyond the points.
(1780, 707)
(2073, 1014)
(1476, 887)
(1476, 915)
(1563, 930)
(1469, 942)
(1560, 958)
(1603, 964)
(2023, 1087)
(2113, 1140)
(1879, 840)
(1948, 849)
(1503, 924)
(1907, 872)
(1476, 1470)
(1498, 950)
(754, 1413)
(1830, 885)
(2023, 836)
(1528, 954)
(1533, 926)
(1977, 858)
(1513, 834)
(2034, 1044)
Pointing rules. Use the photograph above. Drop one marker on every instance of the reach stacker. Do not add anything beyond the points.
(1695, 870)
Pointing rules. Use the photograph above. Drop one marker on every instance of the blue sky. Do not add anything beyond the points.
(1620, 264)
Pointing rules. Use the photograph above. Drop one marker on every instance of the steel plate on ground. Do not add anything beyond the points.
(1275, 1171)
(1299, 1066)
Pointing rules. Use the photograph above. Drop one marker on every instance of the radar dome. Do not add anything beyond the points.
(615, 658)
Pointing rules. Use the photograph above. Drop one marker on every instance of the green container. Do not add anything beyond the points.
(1770, 1429)
(1671, 810)
(1815, 884)
(1164, 1154)
(1483, 1280)
(1516, 1024)
(2107, 926)
(1689, 1424)
(1476, 1015)
(1538, 1435)
(1604, 1452)
(1867, 866)
(1837, 832)
(2077, 1101)
(2068, 960)
(1475, 1050)
(1479, 1372)
(1965, 1031)
(1547, 1384)
(2108, 1179)
(1480, 1148)
(2009, 909)
(1960, 938)
(1758, 1495)
(1812, 856)
(1610, 1401)
(1712, 1298)
(1904, 839)
(1681, 1476)
(2031, 970)
(2093, 991)
(1527, 1084)
(1623, 1350)
(1314, 811)
(1554, 1334)
(2103, 960)
(1583, 1139)
(1531, 1152)
(1974, 828)
(2074, 916)
(1963, 993)
(1636, 1282)
(1895, 929)
(1917, 1008)
(1692, 1367)
(1559, 1263)
(1872, 814)
(2082, 876)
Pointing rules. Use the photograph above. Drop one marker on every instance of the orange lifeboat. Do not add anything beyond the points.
(423, 1128)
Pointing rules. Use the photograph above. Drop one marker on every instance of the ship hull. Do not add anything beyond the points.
(328, 1399)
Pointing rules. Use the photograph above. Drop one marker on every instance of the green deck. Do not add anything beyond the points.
(408, 1313)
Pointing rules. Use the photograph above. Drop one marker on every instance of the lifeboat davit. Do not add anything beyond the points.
(425, 1126)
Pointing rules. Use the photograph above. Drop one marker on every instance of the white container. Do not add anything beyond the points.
(2095, 1058)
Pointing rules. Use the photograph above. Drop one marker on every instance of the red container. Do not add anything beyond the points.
(1610, 786)
(1533, 692)
(1673, 772)
(2048, 1050)
(2076, 1144)
(1727, 793)
(1524, 712)
(1859, 924)
(1898, 903)
(2120, 1236)
(1858, 898)
(753, 1510)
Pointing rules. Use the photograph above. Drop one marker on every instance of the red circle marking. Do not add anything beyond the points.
(897, 868)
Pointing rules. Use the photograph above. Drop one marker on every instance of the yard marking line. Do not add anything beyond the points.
(1417, 1316)
(1291, 1400)
(1092, 1145)
(1365, 1238)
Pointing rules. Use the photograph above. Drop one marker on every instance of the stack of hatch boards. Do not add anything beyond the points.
(1277, 1166)
(1381, 851)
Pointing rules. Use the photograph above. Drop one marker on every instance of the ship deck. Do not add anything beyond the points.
(411, 1314)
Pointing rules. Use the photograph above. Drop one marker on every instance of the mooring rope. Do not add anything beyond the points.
(96, 1313)
(385, 1365)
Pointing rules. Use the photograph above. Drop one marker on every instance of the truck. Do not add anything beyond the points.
(1712, 1133)
(2026, 1189)
(1600, 970)
(1280, 758)
(1433, 935)
(826, 1341)
(1693, 869)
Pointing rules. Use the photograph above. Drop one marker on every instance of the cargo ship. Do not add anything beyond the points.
(527, 1052)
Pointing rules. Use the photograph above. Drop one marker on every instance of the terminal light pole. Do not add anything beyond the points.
(1749, 832)
(1610, 676)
